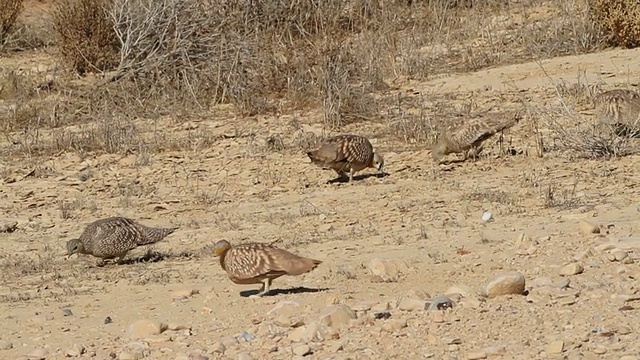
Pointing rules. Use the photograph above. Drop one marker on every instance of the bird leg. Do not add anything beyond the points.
(264, 289)
(351, 174)
(120, 258)
(474, 152)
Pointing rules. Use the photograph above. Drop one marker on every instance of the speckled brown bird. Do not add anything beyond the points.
(468, 138)
(347, 154)
(255, 263)
(114, 237)
(619, 108)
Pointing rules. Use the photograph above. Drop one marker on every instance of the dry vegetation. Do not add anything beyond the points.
(268, 57)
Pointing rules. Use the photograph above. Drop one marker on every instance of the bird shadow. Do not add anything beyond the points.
(345, 178)
(276, 292)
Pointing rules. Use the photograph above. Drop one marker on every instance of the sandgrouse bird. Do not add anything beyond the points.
(255, 263)
(347, 154)
(113, 238)
(468, 138)
(621, 109)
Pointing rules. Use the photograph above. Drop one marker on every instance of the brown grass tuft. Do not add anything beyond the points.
(619, 20)
(86, 37)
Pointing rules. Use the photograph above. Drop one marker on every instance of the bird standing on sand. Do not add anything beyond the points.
(113, 238)
(255, 263)
(347, 154)
(469, 137)
(620, 108)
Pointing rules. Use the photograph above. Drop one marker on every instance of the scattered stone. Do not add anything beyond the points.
(567, 301)
(145, 328)
(245, 337)
(475, 355)
(336, 316)
(588, 228)
(177, 327)
(556, 347)
(75, 351)
(229, 341)
(311, 332)
(541, 282)
(244, 356)
(218, 347)
(126, 355)
(5, 345)
(334, 347)
(394, 325)
(451, 340)
(67, 312)
(382, 307)
(412, 304)
(496, 350)
(286, 314)
(562, 283)
(505, 283)
(623, 330)
(619, 254)
(600, 350)
(108, 320)
(463, 290)
(388, 270)
(440, 303)
(571, 269)
(301, 350)
(38, 354)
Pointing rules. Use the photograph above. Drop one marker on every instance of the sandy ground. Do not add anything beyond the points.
(423, 215)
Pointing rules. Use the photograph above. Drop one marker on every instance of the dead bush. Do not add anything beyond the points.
(9, 11)
(584, 139)
(619, 20)
(87, 39)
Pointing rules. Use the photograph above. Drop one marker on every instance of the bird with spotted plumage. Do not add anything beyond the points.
(114, 237)
(619, 108)
(468, 137)
(347, 154)
(259, 263)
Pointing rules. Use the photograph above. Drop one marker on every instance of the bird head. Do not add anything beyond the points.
(378, 162)
(74, 246)
(221, 247)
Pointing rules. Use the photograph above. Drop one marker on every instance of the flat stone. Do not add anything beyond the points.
(571, 269)
(475, 355)
(301, 350)
(556, 347)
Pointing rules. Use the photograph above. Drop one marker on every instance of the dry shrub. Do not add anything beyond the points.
(9, 11)
(619, 20)
(86, 36)
(586, 140)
